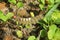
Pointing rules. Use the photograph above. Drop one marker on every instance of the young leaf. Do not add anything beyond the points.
(12, 1)
(57, 1)
(57, 35)
(19, 33)
(41, 6)
(32, 38)
(50, 1)
(27, 26)
(54, 35)
(5, 17)
(47, 17)
(52, 30)
(9, 15)
(43, 33)
(56, 16)
(43, 1)
(19, 4)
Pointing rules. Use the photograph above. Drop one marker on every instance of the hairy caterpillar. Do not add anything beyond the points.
(31, 20)
(28, 19)
(22, 20)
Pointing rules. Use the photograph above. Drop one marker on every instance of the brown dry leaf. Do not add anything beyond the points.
(3, 7)
(22, 13)
(8, 37)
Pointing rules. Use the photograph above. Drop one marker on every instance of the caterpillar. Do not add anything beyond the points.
(28, 20)
(31, 20)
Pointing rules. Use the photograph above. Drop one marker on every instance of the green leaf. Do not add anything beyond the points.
(9, 15)
(19, 4)
(32, 38)
(52, 27)
(43, 33)
(5, 17)
(12, 1)
(50, 1)
(56, 16)
(27, 26)
(57, 1)
(50, 6)
(19, 33)
(39, 0)
(41, 6)
(57, 34)
(47, 17)
(43, 1)
(52, 31)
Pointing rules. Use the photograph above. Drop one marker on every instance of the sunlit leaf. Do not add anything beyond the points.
(47, 17)
(52, 31)
(50, 1)
(12, 1)
(41, 6)
(32, 38)
(57, 35)
(5, 17)
(56, 16)
(19, 33)
(43, 1)
(57, 1)
(19, 4)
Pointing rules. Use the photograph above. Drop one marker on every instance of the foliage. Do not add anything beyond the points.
(50, 3)
(42, 4)
(12, 1)
(32, 38)
(43, 33)
(51, 18)
(56, 17)
(27, 26)
(19, 33)
(42, 1)
(19, 4)
(57, 35)
(5, 17)
(57, 1)
(53, 33)
(47, 17)
(52, 30)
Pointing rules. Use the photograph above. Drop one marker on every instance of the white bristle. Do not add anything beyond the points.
(26, 19)
(29, 19)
